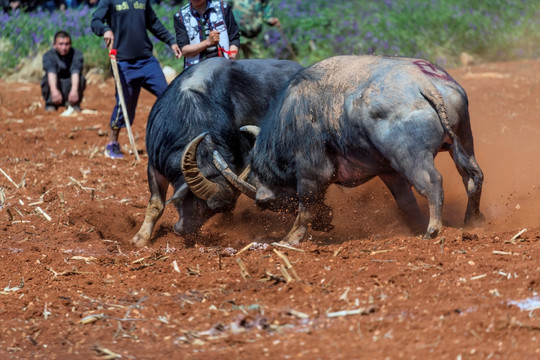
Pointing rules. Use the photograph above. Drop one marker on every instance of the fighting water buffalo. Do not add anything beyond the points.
(348, 119)
(216, 96)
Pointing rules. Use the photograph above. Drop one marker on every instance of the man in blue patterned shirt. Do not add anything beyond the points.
(206, 29)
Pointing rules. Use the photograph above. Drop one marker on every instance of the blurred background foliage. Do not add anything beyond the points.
(436, 30)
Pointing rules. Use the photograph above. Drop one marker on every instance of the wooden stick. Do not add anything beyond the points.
(7, 176)
(298, 314)
(138, 260)
(91, 318)
(243, 270)
(175, 266)
(497, 252)
(517, 235)
(67, 272)
(360, 311)
(287, 246)
(79, 183)
(245, 248)
(43, 213)
(287, 263)
(114, 65)
(102, 303)
(286, 275)
(87, 260)
(478, 277)
(105, 353)
(15, 288)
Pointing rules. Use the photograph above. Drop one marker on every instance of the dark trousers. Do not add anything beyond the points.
(134, 75)
(64, 85)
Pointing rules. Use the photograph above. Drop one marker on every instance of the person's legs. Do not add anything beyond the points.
(82, 87)
(154, 79)
(131, 81)
(64, 85)
(113, 149)
(46, 93)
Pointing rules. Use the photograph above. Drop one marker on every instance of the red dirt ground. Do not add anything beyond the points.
(89, 294)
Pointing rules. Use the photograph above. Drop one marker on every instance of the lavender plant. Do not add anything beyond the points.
(437, 30)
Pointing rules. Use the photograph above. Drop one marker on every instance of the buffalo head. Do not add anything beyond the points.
(278, 200)
(208, 194)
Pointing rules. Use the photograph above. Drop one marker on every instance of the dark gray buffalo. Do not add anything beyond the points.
(348, 119)
(216, 96)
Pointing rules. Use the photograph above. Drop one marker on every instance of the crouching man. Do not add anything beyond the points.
(63, 83)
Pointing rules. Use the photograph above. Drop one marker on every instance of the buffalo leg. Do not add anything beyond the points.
(462, 152)
(428, 182)
(473, 178)
(311, 208)
(158, 191)
(400, 188)
(299, 227)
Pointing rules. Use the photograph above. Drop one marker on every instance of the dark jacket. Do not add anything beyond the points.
(63, 66)
(129, 22)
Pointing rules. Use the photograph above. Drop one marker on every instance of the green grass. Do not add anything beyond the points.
(436, 30)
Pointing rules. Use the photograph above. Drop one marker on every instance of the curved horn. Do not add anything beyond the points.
(198, 184)
(178, 195)
(251, 129)
(242, 185)
(254, 130)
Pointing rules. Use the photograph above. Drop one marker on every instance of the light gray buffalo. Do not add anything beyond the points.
(348, 119)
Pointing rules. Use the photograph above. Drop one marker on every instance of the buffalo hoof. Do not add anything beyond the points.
(140, 241)
(190, 240)
(294, 237)
(290, 242)
(431, 233)
(475, 220)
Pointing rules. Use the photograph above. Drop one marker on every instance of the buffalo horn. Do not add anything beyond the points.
(198, 184)
(251, 129)
(254, 130)
(235, 181)
(245, 174)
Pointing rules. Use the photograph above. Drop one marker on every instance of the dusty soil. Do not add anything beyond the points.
(71, 285)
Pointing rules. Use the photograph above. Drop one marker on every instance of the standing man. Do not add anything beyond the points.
(206, 29)
(123, 25)
(251, 15)
(63, 83)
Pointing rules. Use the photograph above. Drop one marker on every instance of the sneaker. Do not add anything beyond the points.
(113, 151)
(70, 111)
(50, 108)
(77, 108)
